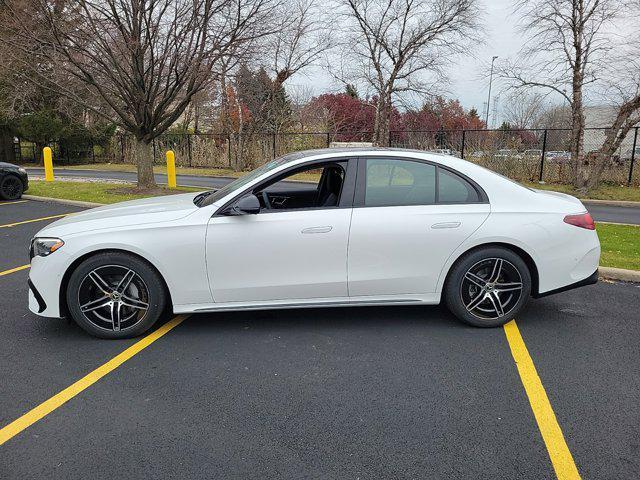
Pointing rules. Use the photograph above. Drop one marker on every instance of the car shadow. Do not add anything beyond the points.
(333, 318)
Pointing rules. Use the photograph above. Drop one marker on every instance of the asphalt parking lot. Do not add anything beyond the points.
(394, 392)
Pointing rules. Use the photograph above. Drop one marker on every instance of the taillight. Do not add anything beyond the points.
(582, 220)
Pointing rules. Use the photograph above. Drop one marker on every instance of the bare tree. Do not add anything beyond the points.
(145, 59)
(302, 35)
(390, 45)
(568, 42)
(524, 111)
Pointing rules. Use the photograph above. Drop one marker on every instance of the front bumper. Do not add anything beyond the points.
(36, 302)
(45, 279)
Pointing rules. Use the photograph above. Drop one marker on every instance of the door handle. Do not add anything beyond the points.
(446, 225)
(325, 229)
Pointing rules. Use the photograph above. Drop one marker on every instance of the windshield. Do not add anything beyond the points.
(211, 198)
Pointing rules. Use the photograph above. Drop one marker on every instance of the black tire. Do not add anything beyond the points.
(11, 187)
(145, 287)
(470, 284)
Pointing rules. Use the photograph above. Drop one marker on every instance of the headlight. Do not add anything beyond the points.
(22, 170)
(41, 247)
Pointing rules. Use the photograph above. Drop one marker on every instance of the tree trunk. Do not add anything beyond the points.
(143, 152)
(7, 148)
(382, 120)
(619, 130)
(39, 157)
(579, 162)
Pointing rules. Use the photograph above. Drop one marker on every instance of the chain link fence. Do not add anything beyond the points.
(525, 155)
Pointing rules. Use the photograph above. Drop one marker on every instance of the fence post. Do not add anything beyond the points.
(542, 154)
(462, 146)
(273, 146)
(633, 156)
(122, 148)
(328, 139)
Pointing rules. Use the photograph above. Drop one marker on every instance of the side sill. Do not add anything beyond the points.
(590, 280)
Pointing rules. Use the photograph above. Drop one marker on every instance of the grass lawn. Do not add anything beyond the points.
(98, 192)
(620, 246)
(604, 192)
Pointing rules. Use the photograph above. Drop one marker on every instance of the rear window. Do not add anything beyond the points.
(453, 188)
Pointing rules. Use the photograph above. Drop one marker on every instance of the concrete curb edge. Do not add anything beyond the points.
(75, 203)
(620, 274)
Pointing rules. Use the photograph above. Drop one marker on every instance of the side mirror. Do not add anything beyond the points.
(248, 205)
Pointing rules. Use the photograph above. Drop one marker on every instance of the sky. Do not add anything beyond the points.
(468, 80)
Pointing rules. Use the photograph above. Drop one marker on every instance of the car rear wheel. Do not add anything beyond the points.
(115, 295)
(11, 187)
(488, 287)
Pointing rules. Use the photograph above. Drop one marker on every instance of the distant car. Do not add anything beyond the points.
(377, 227)
(558, 156)
(626, 156)
(13, 181)
(477, 154)
(532, 153)
(507, 153)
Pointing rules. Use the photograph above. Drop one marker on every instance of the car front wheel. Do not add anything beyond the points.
(115, 295)
(11, 187)
(488, 287)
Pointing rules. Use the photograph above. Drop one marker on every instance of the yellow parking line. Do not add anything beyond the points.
(48, 406)
(8, 225)
(13, 202)
(13, 270)
(561, 457)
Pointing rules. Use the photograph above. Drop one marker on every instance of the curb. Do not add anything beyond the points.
(75, 203)
(620, 274)
(615, 203)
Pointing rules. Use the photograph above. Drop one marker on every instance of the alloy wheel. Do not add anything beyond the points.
(113, 297)
(11, 187)
(491, 288)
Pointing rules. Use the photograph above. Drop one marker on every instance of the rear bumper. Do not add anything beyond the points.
(590, 280)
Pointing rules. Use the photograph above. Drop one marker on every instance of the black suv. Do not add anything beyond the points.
(13, 181)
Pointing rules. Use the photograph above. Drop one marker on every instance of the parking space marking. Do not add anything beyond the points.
(9, 225)
(561, 457)
(48, 406)
(14, 270)
(13, 203)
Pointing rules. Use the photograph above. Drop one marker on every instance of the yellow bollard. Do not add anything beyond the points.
(48, 164)
(171, 169)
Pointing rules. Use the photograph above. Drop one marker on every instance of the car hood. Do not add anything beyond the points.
(134, 212)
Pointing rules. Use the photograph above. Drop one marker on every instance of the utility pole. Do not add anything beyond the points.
(486, 121)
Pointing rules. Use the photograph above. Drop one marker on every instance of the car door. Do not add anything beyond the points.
(282, 253)
(408, 217)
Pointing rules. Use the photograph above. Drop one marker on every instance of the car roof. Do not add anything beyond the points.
(355, 151)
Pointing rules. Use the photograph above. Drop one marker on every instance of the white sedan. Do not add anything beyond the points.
(318, 228)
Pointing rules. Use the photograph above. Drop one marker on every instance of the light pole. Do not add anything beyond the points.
(486, 120)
